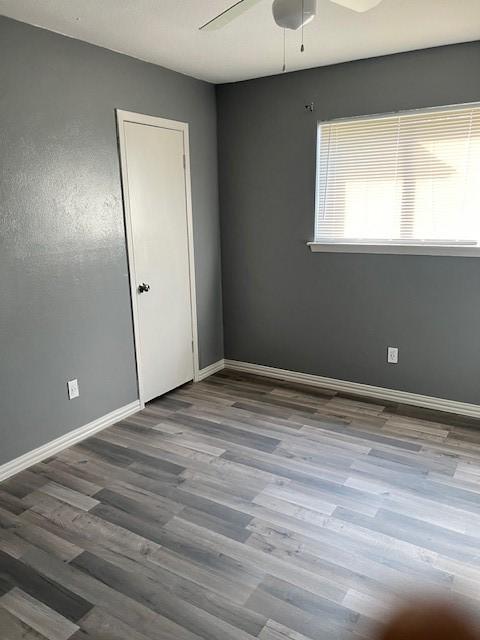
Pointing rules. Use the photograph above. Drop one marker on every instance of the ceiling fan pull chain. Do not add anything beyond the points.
(284, 51)
(302, 48)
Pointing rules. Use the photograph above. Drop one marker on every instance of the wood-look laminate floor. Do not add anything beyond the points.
(242, 507)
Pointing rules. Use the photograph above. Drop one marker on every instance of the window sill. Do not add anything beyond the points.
(399, 249)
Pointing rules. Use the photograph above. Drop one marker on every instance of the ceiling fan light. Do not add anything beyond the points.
(288, 14)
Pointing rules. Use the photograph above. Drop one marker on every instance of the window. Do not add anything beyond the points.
(408, 181)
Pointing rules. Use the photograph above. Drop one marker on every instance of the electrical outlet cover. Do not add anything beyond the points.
(392, 355)
(73, 390)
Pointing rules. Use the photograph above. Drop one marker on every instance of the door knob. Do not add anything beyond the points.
(143, 288)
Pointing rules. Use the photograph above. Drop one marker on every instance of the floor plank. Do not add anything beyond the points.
(36, 615)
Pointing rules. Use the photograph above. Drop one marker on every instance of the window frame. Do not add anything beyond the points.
(433, 248)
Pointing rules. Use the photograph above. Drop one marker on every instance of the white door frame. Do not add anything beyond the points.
(139, 118)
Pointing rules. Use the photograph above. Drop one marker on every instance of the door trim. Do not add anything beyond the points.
(139, 118)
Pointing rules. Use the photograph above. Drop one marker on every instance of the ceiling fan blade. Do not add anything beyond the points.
(358, 5)
(229, 14)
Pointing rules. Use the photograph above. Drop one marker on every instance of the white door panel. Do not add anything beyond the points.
(154, 161)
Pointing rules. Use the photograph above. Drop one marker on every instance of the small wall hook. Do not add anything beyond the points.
(310, 107)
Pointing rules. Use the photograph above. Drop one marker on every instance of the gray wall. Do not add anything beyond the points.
(335, 314)
(64, 296)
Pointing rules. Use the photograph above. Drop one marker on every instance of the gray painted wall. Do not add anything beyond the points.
(64, 297)
(335, 314)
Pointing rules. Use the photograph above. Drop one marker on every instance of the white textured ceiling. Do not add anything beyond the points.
(166, 32)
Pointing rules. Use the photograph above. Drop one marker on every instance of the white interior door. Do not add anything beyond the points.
(154, 161)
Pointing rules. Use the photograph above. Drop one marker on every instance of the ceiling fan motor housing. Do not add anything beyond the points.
(292, 14)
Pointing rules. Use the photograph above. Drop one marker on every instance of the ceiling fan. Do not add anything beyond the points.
(288, 14)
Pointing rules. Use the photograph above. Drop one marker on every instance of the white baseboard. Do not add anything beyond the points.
(54, 446)
(403, 397)
(210, 370)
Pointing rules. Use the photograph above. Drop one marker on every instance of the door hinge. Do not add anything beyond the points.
(184, 162)
(193, 347)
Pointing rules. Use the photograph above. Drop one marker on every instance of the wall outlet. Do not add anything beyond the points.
(392, 355)
(73, 390)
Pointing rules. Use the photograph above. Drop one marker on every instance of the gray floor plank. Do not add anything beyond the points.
(36, 615)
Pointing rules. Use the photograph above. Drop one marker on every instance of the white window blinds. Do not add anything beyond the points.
(411, 178)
